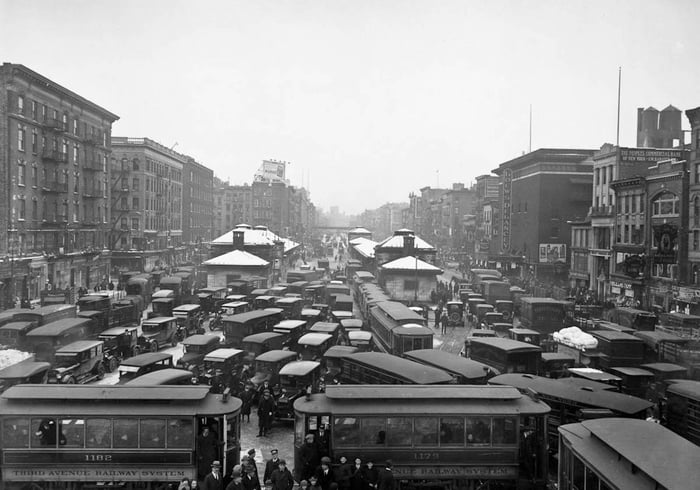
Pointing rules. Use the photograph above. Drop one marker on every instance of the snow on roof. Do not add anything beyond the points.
(396, 241)
(360, 230)
(259, 235)
(410, 264)
(364, 246)
(238, 258)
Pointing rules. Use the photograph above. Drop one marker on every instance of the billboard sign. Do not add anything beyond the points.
(551, 253)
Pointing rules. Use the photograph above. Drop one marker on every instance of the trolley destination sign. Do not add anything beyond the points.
(50, 474)
(505, 472)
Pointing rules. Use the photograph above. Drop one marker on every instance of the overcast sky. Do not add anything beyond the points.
(370, 99)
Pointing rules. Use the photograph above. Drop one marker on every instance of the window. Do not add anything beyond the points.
(76, 152)
(72, 432)
(425, 432)
(20, 104)
(696, 211)
(33, 109)
(135, 184)
(604, 175)
(452, 431)
(634, 204)
(15, 432)
(21, 174)
(22, 211)
(98, 433)
(125, 433)
(44, 433)
(21, 135)
(478, 431)
(665, 204)
(35, 209)
(152, 433)
(35, 141)
(696, 240)
(399, 431)
(409, 284)
(373, 432)
(346, 431)
(75, 126)
(504, 430)
(134, 223)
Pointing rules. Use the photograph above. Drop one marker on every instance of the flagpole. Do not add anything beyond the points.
(619, 84)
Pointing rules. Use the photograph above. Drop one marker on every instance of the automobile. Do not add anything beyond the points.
(119, 344)
(162, 303)
(455, 313)
(267, 367)
(13, 334)
(235, 307)
(264, 301)
(190, 317)
(481, 310)
(331, 328)
(292, 307)
(310, 316)
(221, 367)
(332, 359)
(349, 324)
(157, 332)
(525, 335)
(24, 372)
(362, 340)
(196, 348)
(337, 315)
(211, 298)
(506, 308)
(311, 346)
(293, 329)
(143, 363)
(491, 318)
(296, 379)
(169, 376)
(78, 362)
(259, 343)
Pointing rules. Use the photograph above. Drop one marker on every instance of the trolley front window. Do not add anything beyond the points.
(504, 431)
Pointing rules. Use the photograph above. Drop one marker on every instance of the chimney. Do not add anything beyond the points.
(238, 239)
(409, 245)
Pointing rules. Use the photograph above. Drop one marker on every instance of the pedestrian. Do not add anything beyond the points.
(266, 412)
(214, 480)
(252, 464)
(313, 483)
(324, 473)
(342, 474)
(444, 321)
(207, 451)
(282, 478)
(304, 485)
(236, 480)
(371, 474)
(322, 441)
(250, 481)
(308, 456)
(184, 484)
(272, 464)
(247, 399)
(438, 313)
(386, 477)
(357, 476)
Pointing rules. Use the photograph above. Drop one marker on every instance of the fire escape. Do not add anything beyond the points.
(120, 202)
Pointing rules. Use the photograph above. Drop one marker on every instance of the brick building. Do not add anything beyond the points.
(541, 192)
(233, 205)
(197, 203)
(147, 198)
(55, 213)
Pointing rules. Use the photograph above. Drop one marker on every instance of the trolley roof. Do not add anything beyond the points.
(423, 399)
(23, 368)
(505, 344)
(685, 387)
(399, 312)
(414, 371)
(667, 458)
(453, 363)
(58, 327)
(161, 377)
(626, 404)
(56, 400)
(262, 336)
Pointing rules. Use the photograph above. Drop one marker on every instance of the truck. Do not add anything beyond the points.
(495, 290)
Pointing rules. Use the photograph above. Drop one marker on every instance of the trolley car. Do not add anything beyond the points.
(84, 437)
(446, 437)
(399, 329)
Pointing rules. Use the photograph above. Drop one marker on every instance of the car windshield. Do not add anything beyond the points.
(152, 327)
(68, 359)
(265, 367)
(293, 382)
(195, 349)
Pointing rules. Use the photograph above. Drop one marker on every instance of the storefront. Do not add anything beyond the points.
(686, 300)
(626, 292)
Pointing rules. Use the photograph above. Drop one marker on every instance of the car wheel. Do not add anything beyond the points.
(100, 371)
(113, 364)
(154, 346)
(173, 341)
(70, 381)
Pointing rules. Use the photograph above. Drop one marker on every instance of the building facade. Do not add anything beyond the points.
(147, 197)
(541, 192)
(233, 205)
(55, 213)
(197, 203)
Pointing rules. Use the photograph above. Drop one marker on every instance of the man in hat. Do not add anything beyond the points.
(272, 464)
(251, 480)
(213, 480)
(324, 473)
(252, 465)
(386, 477)
(313, 483)
(322, 441)
(282, 478)
(342, 474)
(236, 481)
(266, 412)
(207, 451)
(308, 455)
